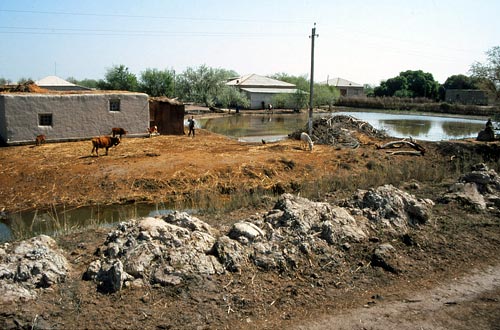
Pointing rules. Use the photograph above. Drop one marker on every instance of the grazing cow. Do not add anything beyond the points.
(104, 142)
(40, 139)
(306, 139)
(118, 131)
(153, 131)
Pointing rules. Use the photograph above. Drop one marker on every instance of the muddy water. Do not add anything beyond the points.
(254, 128)
(60, 220)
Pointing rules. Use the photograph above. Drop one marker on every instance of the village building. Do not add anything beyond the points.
(346, 88)
(66, 116)
(167, 115)
(466, 96)
(55, 83)
(261, 90)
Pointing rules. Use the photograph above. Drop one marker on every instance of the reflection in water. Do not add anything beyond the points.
(407, 127)
(251, 128)
(455, 129)
(32, 223)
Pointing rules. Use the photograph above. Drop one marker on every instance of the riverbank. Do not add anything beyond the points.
(417, 104)
(230, 181)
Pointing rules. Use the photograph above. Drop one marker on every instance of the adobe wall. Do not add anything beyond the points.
(74, 116)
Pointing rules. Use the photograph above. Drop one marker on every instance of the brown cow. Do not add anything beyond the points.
(118, 131)
(153, 131)
(40, 139)
(104, 142)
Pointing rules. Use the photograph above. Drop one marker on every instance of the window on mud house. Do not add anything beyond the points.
(114, 105)
(45, 119)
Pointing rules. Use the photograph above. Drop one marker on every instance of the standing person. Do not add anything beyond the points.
(191, 126)
(270, 107)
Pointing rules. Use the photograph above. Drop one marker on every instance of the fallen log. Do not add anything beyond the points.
(406, 152)
(399, 144)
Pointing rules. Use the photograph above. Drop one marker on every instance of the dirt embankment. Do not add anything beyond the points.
(454, 242)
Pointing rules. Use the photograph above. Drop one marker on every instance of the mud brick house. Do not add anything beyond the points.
(466, 96)
(261, 90)
(167, 114)
(65, 116)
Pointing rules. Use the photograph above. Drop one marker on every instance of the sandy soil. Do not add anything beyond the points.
(450, 277)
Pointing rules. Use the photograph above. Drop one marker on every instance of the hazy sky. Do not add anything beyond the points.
(362, 41)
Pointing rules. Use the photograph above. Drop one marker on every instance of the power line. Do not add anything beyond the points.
(157, 17)
(137, 33)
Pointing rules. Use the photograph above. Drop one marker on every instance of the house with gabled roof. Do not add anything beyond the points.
(346, 87)
(55, 83)
(260, 89)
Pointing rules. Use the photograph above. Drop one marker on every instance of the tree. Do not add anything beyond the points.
(300, 82)
(409, 84)
(231, 97)
(325, 95)
(90, 83)
(460, 81)
(119, 78)
(203, 85)
(488, 73)
(4, 81)
(156, 82)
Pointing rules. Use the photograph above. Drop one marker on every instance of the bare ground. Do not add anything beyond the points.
(450, 266)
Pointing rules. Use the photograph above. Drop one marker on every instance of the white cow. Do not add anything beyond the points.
(306, 139)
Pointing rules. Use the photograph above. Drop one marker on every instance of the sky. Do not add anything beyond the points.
(362, 41)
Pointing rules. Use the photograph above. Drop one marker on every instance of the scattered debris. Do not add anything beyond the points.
(30, 265)
(296, 233)
(339, 131)
(478, 189)
(420, 150)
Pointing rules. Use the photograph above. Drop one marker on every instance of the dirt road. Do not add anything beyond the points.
(457, 304)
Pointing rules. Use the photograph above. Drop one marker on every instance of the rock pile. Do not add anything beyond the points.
(28, 265)
(478, 189)
(339, 130)
(295, 233)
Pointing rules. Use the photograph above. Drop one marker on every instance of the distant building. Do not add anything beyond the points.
(466, 96)
(55, 83)
(261, 90)
(167, 114)
(346, 88)
(64, 116)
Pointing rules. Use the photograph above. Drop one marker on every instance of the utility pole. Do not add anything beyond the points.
(311, 83)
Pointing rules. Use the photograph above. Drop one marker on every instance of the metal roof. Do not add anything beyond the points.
(271, 90)
(254, 80)
(53, 81)
(340, 82)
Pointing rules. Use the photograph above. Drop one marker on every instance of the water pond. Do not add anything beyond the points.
(253, 128)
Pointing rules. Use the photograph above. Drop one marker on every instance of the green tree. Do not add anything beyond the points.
(90, 83)
(488, 73)
(202, 85)
(409, 84)
(231, 97)
(421, 84)
(460, 81)
(325, 95)
(4, 81)
(296, 101)
(301, 82)
(119, 78)
(156, 82)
